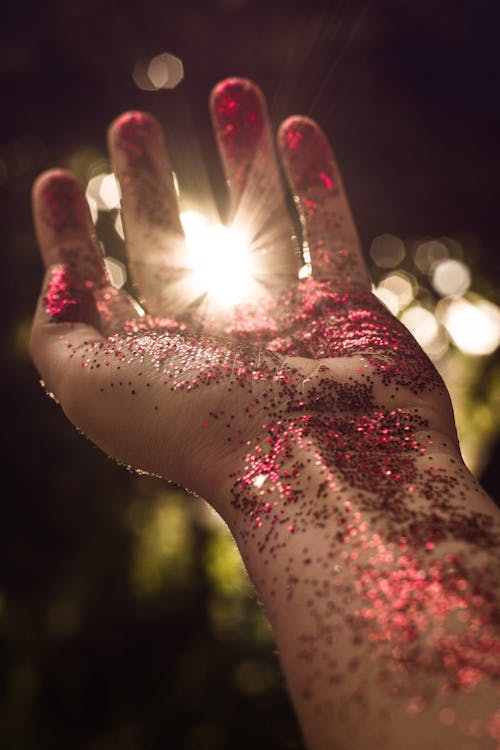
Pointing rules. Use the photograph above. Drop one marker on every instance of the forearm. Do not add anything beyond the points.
(382, 603)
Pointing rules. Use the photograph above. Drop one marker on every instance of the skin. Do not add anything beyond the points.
(308, 417)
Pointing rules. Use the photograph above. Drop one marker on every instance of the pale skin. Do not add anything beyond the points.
(308, 418)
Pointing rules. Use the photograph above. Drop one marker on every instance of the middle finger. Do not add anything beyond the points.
(257, 203)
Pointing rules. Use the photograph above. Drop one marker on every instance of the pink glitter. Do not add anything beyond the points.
(67, 300)
(319, 400)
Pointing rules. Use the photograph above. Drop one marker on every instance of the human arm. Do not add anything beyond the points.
(311, 421)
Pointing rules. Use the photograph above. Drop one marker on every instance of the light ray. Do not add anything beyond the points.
(220, 260)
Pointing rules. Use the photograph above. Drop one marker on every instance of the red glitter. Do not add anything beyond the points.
(61, 207)
(327, 180)
(66, 299)
(327, 412)
(238, 110)
(72, 242)
(134, 129)
(309, 155)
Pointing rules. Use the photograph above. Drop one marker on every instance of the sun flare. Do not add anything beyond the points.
(220, 259)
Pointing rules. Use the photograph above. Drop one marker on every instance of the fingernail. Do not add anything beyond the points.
(61, 204)
(67, 299)
(239, 114)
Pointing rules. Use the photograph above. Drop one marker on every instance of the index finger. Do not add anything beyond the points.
(245, 142)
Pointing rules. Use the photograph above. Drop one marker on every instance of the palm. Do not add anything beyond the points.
(182, 389)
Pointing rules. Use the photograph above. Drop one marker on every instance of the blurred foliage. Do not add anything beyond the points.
(405, 280)
(126, 619)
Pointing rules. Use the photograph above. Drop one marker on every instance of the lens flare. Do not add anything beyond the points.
(109, 192)
(421, 323)
(397, 290)
(387, 251)
(474, 326)
(451, 277)
(220, 259)
(116, 271)
(163, 71)
(103, 192)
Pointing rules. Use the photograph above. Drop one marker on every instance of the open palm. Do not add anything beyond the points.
(183, 391)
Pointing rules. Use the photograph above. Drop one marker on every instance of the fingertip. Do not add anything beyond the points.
(231, 84)
(293, 121)
(53, 173)
(300, 131)
(59, 205)
(132, 128)
(308, 157)
(53, 179)
(232, 95)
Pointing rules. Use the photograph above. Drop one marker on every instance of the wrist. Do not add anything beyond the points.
(368, 580)
(299, 470)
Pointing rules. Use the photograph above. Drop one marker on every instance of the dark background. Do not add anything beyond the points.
(93, 655)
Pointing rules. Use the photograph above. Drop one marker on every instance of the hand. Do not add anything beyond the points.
(308, 416)
(182, 392)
